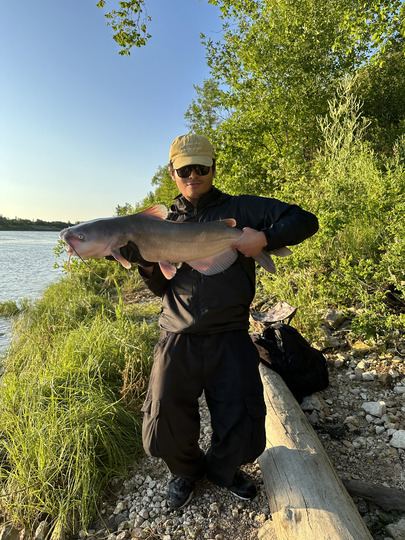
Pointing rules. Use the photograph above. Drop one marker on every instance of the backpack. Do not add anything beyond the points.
(303, 368)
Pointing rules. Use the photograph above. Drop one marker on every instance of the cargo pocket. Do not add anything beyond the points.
(150, 411)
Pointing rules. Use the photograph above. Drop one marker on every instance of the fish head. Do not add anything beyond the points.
(86, 240)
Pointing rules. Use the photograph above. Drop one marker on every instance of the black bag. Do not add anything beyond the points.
(302, 367)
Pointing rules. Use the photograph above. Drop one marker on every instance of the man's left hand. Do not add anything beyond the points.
(251, 242)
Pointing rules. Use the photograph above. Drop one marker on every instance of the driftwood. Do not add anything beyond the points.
(306, 497)
(386, 498)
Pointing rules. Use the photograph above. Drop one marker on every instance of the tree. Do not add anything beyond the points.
(129, 24)
(206, 111)
(381, 88)
(278, 63)
(377, 23)
(366, 21)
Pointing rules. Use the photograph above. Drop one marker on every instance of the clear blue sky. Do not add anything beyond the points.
(83, 128)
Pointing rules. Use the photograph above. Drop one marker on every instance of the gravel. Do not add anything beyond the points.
(360, 419)
(138, 509)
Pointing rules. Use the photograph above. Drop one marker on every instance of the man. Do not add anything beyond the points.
(205, 345)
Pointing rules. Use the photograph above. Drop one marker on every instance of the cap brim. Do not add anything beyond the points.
(182, 161)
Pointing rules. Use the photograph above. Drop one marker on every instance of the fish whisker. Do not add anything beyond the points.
(81, 258)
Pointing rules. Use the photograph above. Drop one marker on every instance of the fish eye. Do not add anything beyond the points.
(80, 236)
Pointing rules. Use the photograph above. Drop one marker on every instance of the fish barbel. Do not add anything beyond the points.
(205, 246)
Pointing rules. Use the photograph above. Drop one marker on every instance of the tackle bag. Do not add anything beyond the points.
(284, 350)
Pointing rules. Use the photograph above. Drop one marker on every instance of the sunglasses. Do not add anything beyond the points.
(200, 170)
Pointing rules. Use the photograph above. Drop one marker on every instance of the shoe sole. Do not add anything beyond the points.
(184, 504)
(241, 497)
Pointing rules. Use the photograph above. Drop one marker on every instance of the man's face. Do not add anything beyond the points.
(192, 182)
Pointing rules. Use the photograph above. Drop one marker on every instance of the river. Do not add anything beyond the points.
(27, 261)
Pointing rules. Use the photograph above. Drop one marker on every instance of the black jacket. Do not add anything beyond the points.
(198, 304)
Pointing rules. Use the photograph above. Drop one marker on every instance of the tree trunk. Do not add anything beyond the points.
(306, 497)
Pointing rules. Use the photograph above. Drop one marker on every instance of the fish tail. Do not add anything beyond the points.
(264, 259)
(281, 252)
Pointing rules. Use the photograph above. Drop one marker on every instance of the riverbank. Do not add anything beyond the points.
(360, 420)
(17, 224)
(89, 339)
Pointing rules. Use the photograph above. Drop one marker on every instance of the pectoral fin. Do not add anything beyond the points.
(118, 257)
(168, 270)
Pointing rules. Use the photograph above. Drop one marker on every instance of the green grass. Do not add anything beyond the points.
(9, 308)
(70, 398)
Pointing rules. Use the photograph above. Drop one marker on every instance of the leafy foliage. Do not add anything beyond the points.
(356, 260)
(129, 24)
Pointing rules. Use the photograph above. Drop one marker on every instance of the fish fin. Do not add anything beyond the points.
(229, 221)
(168, 270)
(281, 252)
(215, 264)
(157, 210)
(264, 259)
(118, 257)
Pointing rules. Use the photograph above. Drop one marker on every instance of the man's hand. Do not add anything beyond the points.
(251, 242)
(131, 253)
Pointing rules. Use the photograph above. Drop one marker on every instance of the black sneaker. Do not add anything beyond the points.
(243, 488)
(180, 492)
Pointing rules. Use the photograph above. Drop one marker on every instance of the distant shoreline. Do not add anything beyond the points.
(17, 224)
(33, 228)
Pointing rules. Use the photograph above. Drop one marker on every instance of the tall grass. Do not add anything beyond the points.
(70, 398)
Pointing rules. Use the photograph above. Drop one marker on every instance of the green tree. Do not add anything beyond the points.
(278, 61)
(206, 112)
(366, 21)
(129, 24)
(164, 193)
(381, 88)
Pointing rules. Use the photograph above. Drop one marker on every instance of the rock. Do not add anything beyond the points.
(311, 403)
(375, 408)
(144, 513)
(123, 535)
(334, 318)
(8, 532)
(397, 530)
(369, 375)
(119, 508)
(121, 517)
(41, 531)
(329, 339)
(398, 439)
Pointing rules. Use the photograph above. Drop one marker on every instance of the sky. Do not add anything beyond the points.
(82, 128)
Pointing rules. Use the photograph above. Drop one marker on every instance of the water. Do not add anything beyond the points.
(26, 268)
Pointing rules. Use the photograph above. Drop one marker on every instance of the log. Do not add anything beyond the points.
(307, 499)
(386, 498)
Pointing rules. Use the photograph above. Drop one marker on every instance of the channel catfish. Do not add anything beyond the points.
(205, 246)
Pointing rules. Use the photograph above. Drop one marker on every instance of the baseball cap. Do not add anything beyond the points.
(191, 149)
